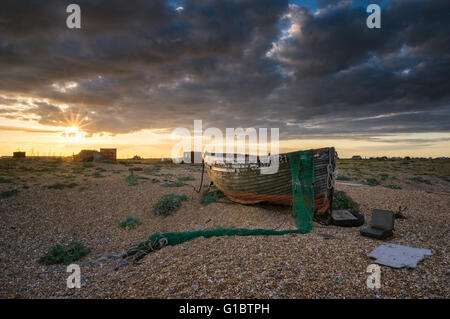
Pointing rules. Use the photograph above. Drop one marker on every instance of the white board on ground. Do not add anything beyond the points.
(351, 184)
(398, 256)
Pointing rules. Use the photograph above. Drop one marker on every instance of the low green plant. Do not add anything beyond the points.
(155, 180)
(130, 222)
(445, 178)
(173, 184)
(342, 201)
(152, 171)
(125, 163)
(384, 176)
(8, 193)
(4, 180)
(97, 175)
(393, 186)
(343, 178)
(132, 180)
(168, 204)
(372, 182)
(210, 195)
(419, 179)
(66, 255)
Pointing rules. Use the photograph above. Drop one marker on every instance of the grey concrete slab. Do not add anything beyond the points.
(398, 256)
(342, 215)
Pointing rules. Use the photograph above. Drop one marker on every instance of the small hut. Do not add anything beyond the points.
(87, 155)
(108, 154)
(19, 155)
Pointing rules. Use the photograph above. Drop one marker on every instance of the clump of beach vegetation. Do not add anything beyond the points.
(168, 204)
(130, 222)
(211, 195)
(59, 254)
(342, 201)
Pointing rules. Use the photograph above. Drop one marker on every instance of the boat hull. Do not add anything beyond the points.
(244, 183)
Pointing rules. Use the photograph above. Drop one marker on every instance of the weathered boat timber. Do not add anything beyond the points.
(244, 183)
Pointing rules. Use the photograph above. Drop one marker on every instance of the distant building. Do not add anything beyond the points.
(19, 155)
(108, 154)
(87, 155)
(356, 157)
(105, 154)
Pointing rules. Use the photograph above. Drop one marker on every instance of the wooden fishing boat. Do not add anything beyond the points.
(242, 181)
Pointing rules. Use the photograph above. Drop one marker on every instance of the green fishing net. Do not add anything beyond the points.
(302, 173)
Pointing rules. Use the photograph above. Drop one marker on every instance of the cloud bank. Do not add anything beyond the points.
(311, 70)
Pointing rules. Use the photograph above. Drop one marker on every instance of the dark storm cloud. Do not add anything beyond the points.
(263, 63)
(335, 62)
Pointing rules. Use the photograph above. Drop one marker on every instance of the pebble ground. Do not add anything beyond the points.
(329, 262)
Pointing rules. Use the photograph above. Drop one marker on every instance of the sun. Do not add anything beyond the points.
(73, 130)
(74, 134)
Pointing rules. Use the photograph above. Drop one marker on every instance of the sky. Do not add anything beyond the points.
(136, 70)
